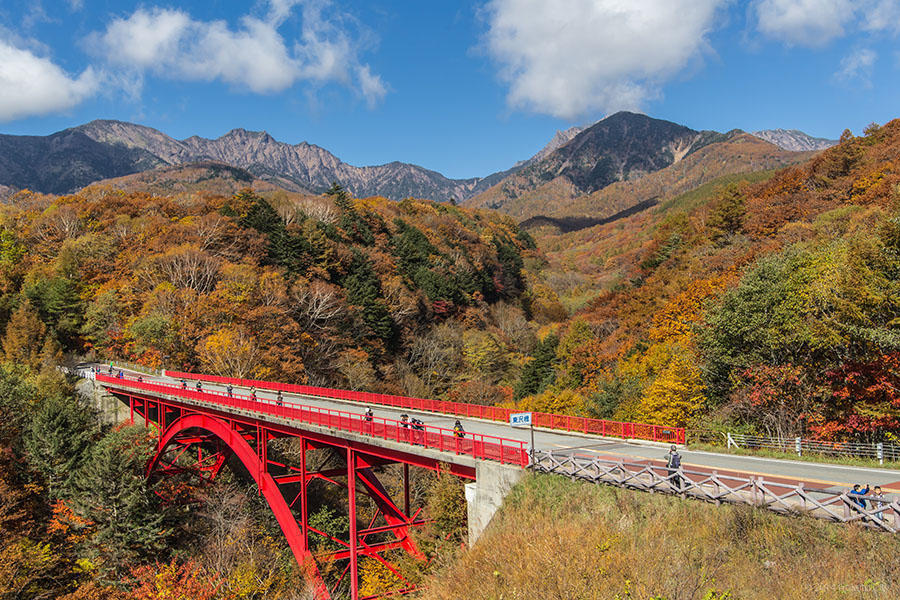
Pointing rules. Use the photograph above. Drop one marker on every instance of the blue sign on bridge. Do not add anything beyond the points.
(520, 419)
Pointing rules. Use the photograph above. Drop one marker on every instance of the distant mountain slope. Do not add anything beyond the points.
(794, 140)
(206, 176)
(621, 147)
(738, 153)
(560, 139)
(67, 160)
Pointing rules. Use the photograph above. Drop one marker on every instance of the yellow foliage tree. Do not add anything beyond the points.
(676, 394)
(24, 339)
(561, 402)
(232, 353)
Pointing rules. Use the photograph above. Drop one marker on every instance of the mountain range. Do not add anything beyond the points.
(584, 160)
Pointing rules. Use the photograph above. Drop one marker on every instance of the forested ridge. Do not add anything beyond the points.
(325, 290)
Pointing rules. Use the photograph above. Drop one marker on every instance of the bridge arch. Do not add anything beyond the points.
(264, 482)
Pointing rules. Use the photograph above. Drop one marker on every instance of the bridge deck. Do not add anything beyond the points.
(819, 475)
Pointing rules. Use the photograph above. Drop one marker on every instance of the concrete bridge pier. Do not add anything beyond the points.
(484, 496)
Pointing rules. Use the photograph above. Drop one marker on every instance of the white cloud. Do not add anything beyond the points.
(33, 85)
(804, 22)
(371, 85)
(815, 23)
(253, 56)
(882, 15)
(570, 58)
(856, 67)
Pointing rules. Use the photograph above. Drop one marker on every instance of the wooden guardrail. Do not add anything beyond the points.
(882, 514)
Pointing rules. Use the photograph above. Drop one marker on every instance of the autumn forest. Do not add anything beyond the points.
(762, 302)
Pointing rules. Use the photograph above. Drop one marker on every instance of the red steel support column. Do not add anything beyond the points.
(406, 489)
(351, 490)
(304, 516)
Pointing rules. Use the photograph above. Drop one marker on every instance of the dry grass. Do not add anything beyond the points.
(555, 539)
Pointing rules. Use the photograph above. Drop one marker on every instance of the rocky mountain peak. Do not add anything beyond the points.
(794, 140)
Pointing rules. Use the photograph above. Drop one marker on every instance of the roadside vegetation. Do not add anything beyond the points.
(556, 539)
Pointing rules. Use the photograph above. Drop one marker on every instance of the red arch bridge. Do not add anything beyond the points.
(200, 430)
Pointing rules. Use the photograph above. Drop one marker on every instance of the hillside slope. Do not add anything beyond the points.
(556, 539)
(207, 177)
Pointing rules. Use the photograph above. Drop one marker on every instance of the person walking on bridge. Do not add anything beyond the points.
(458, 430)
(673, 465)
(253, 393)
(199, 386)
(229, 389)
(183, 384)
(279, 399)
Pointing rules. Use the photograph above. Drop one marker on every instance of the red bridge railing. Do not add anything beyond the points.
(476, 445)
(640, 431)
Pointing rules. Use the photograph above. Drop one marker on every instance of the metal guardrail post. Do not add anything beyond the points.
(879, 451)
(798, 446)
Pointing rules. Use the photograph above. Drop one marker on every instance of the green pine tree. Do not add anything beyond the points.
(539, 373)
(58, 439)
(110, 490)
(364, 290)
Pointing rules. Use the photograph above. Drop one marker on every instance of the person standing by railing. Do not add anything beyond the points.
(878, 501)
(859, 493)
(229, 390)
(673, 465)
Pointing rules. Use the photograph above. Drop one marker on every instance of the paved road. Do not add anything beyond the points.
(815, 475)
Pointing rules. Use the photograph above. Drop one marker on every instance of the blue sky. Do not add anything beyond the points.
(465, 88)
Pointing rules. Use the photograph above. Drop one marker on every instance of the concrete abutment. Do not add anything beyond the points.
(485, 495)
